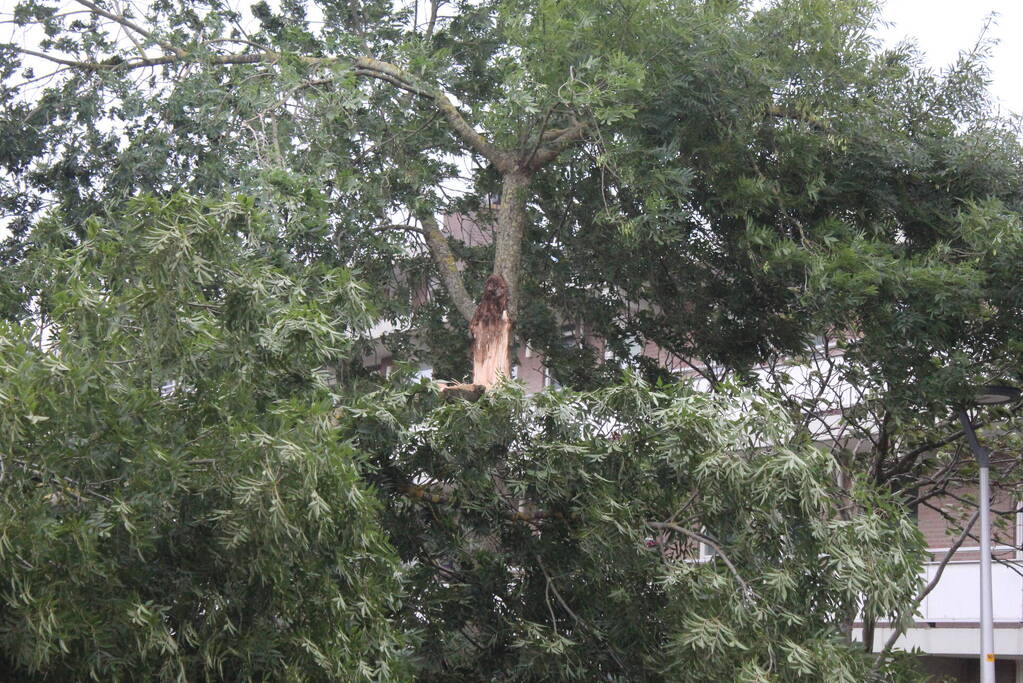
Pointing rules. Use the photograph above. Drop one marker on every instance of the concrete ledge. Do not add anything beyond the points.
(951, 640)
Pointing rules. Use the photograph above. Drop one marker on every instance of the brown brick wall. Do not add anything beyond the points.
(939, 534)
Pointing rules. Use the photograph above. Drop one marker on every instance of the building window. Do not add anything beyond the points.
(568, 335)
(707, 552)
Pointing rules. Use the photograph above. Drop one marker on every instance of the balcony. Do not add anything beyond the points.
(948, 623)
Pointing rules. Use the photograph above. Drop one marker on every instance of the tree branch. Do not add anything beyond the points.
(748, 592)
(398, 227)
(448, 267)
(363, 66)
(119, 64)
(558, 142)
(900, 628)
(434, 7)
(582, 622)
(390, 73)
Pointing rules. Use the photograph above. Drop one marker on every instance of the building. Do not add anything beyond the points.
(947, 628)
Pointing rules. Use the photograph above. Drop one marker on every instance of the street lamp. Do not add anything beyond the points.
(988, 395)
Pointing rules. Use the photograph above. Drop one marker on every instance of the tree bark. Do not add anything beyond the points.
(447, 266)
(511, 226)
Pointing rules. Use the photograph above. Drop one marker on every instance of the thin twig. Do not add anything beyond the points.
(899, 626)
(748, 592)
(576, 617)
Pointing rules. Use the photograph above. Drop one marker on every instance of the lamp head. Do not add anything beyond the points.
(994, 394)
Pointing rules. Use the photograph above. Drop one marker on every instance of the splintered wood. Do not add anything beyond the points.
(491, 334)
(491, 337)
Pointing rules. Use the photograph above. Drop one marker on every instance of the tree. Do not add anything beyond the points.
(726, 182)
(530, 134)
(719, 148)
(856, 259)
(556, 537)
(176, 505)
(184, 497)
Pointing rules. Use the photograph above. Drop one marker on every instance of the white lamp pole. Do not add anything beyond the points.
(987, 626)
(986, 396)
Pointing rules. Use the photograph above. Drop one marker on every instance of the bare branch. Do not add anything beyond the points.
(899, 628)
(748, 592)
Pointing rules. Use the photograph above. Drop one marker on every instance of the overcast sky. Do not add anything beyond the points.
(944, 27)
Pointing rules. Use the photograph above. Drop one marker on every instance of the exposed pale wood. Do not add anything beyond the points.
(491, 334)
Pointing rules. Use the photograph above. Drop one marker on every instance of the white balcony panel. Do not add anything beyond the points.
(949, 642)
(957, 596)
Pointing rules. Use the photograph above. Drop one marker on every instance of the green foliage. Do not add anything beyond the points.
(778, 166)
(752, 178)
(554, 551)
(175, 502)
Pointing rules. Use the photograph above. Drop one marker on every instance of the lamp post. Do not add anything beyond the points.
(988, 395)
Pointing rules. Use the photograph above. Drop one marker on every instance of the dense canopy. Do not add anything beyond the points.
(211, 208)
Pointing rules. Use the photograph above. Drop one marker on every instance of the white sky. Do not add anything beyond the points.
(942, 28)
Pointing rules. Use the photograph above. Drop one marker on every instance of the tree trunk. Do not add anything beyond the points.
(511, 226)
(492, 323)
(491, 334)
(869, 625)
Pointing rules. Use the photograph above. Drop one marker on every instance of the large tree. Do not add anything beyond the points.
(736, 173)
(724, 180)
(675, 109)
(176, 504)
(184, 498)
